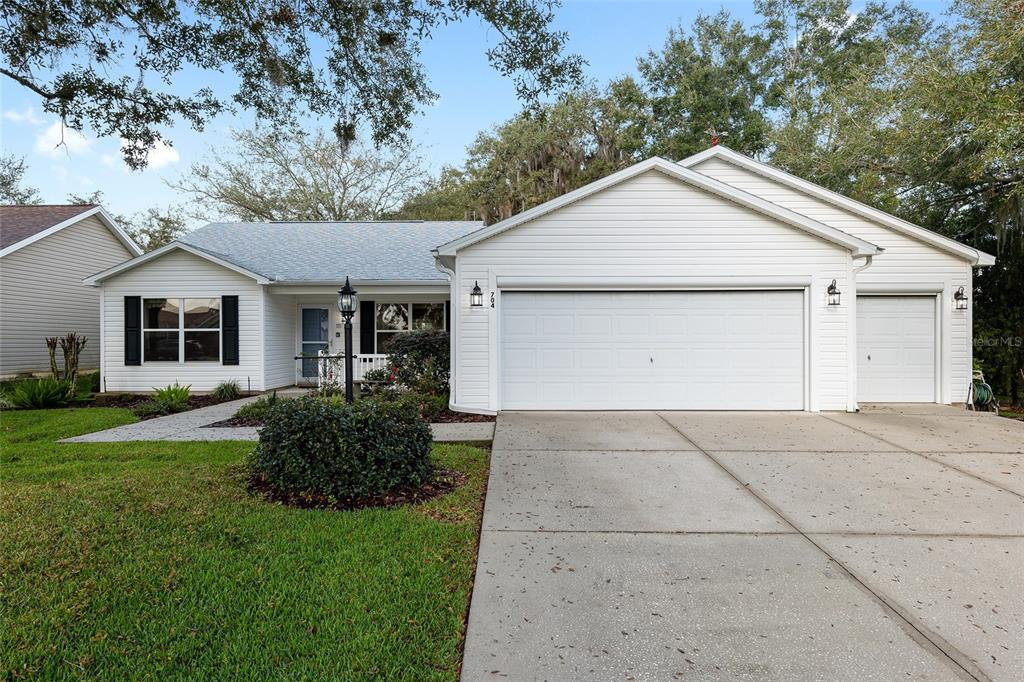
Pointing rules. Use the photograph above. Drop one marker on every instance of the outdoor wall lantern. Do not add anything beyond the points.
(833, 294)
(348, 304)
(476, 297)
(960, 298)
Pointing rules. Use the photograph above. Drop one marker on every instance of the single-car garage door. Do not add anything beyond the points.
(896, 349)
(691, 350)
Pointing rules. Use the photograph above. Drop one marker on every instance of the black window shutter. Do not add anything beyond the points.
(448, 315)
(229, 330)
(133, 330)
(367, 338)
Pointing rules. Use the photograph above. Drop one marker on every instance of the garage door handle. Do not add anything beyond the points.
(652, 360)
(869, 356)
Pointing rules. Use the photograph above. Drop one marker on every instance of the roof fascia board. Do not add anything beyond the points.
(898, 224)
(97, 211)
(360, 282)
(95, 280)
(858, 246)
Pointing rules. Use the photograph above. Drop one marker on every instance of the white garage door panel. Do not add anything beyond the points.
(652, 350)
(896, 349)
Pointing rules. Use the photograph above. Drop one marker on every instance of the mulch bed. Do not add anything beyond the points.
(131, 401)
(445, 417)
(449, 417)
(443, 481)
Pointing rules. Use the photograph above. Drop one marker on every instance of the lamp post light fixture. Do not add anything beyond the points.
(960, 299)
(348, 303)
(476, 297)
(833, 293)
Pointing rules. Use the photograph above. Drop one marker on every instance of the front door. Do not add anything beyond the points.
(314, 337)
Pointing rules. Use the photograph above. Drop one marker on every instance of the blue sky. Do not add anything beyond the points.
(610, 35)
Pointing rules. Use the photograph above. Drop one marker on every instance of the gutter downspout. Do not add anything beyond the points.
(453, 309)
(853, 333)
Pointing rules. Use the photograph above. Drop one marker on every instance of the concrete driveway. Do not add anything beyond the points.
(758, 546)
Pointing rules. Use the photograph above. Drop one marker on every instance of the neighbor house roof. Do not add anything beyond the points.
(857, 246)
(26, 224)
(834, 198)
(319, 252)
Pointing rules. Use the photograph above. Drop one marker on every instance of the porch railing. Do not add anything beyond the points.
(331, 368)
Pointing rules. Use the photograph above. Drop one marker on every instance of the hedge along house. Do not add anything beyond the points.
(243, 301)
(714, 283)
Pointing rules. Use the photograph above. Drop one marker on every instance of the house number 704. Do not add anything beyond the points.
(492, 299)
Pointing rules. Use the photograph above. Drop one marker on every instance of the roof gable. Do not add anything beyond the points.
(876, 216)
(24, 225)
(857, 246)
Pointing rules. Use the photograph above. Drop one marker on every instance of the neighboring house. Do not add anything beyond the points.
(45, 251)
(702, 284)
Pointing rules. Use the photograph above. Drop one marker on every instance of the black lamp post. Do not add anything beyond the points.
(348, 303)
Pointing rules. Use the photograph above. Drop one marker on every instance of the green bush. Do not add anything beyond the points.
(37, 394)
(421, 361)
(428, 406)
(227, 390)
(315, 448)
(148, 409)
(172, 398)
(88, 383)
(259, 408)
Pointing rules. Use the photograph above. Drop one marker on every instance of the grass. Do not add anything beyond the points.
(150, 560)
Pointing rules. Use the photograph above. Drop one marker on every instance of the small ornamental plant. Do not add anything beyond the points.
(317, 452)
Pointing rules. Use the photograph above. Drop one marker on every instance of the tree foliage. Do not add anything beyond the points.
(269, 175)
(112, 66)
(12, 189)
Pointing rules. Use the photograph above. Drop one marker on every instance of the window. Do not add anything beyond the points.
(395, 318)
(181, 329)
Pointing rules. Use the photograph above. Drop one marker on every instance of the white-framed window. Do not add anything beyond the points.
(396, 318)
(181, 329)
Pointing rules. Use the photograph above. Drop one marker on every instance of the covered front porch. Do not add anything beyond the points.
(305, 332)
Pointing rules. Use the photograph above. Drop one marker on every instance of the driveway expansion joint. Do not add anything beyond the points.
(925, 636)
(924, 456)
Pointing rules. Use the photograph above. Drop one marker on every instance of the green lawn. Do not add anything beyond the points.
(150, 560)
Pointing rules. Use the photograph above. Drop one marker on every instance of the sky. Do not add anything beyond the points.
(609, 34)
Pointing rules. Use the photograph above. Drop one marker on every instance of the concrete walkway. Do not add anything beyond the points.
(194, 426)
(181, 426)
(751, 546)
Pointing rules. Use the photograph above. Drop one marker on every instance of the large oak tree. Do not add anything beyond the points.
(113, 65)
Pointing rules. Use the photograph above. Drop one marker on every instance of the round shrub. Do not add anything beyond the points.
(312, 448)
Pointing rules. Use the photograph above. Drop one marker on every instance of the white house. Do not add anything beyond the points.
(45, 251)
(714, 283)
(244, 301)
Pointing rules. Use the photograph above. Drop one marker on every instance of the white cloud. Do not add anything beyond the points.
(59, 140)
(159, 156)
(26, 116)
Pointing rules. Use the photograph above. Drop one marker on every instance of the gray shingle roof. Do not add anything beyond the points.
(327, 252)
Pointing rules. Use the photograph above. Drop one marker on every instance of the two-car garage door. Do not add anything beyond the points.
(652, 350)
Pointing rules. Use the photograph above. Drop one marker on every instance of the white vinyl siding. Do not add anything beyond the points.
(179, 274)
(651, 228)
(905, 262)
(279, 320)
(42, 294)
